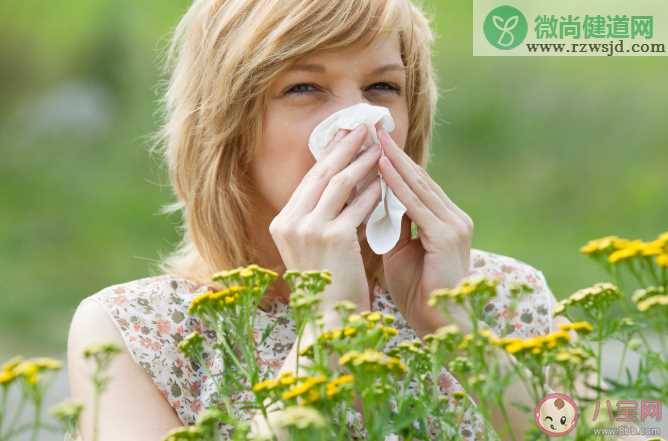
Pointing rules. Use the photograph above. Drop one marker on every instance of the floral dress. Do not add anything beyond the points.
(151, 315)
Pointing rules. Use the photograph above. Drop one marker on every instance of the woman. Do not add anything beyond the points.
(249, 80)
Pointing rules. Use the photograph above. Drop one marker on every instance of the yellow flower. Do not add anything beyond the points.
(466, 288)
(599, 245)
(6, 377)
(662, 260)
(265, 385)
(305, 386)
(354, 318)
(96, 349)
(584, 327)
(597, 295)
(389, 331)
(287, 378)
(12, 363)
(67, 410)
(300, 417)
(458, 395)
(653, 302)
(535, 344)
(414, 346)
(653, 248)
(348, 331)
(345, 306)
(335, 385)
(250, 271)
(284, 379)
(644, 293)
(631, 249)
(372, 358)
(572, 356)
(29, 371)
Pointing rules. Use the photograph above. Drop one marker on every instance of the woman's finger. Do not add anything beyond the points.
(416, 209)
(340, 187)
(306, 195)
(417, 178)
(360, 207)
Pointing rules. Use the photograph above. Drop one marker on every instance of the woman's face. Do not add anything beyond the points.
(300, 98)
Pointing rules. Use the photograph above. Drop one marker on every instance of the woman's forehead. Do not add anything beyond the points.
(384, 50)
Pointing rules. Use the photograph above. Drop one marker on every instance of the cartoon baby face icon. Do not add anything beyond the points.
(556, 414)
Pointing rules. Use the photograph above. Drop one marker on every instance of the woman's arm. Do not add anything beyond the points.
(131, 407)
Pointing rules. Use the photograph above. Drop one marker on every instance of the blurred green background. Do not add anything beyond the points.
(543, 153)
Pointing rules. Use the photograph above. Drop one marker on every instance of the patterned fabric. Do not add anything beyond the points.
(151, 315)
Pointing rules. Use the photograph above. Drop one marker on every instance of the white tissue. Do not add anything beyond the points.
(383, 226)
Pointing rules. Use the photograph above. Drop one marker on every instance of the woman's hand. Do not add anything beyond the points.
(316, 230)
(440, 256)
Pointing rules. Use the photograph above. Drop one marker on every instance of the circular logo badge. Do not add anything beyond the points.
(505, 27)
(556, 414)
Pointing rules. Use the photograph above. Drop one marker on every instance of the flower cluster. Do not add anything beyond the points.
(654, 303)
(305, 392)
(480, 286)
(598, 296)
(251, 275)
(617, 249)
(192, 346)
(573, 356)
(579, 327)
(29, 370)
(370, 361)
(226, 298)
(641, 294)
(636, 255)
(535, 345)
(368, 328)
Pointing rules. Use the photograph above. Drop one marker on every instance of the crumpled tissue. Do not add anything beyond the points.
(383, 226)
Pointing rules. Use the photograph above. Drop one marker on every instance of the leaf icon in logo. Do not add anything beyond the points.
(505, 26)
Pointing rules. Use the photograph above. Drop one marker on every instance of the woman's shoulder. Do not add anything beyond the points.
(149, 292)
(151, 316)
(510, 268)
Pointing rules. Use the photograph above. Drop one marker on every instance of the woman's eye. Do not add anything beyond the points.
(301, 89)
(391, 88)
(294, 89)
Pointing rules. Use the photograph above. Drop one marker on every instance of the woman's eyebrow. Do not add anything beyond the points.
(319, 68)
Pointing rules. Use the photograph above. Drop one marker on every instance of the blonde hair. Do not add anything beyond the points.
(221, 60)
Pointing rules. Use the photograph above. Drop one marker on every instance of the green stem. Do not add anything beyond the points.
(38, 418)
(96, 409)
(229, 350)
(648, 262)
(635, 273)
(3, 407)
(599, 356)
(19, 412)
(621, 363)
(506, 418)
(299, 342)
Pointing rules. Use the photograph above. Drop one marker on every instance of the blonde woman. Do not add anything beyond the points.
(248, 82)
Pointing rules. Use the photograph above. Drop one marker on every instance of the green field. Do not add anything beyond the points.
(543, 153)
